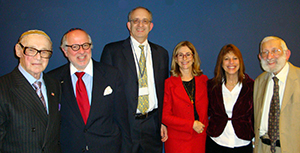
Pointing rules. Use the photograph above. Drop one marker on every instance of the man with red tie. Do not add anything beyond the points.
(93, 107)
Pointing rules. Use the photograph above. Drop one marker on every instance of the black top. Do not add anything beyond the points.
(189, 87)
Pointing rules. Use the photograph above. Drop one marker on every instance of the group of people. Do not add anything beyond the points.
(128, 103)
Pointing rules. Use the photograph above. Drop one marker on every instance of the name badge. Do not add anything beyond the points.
(143, 91)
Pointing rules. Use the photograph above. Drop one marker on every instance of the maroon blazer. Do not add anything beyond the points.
(242, 115)
(178, 111)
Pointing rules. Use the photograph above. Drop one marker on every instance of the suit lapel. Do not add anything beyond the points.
(155, 61)
(260, 98)
(180, 91)
(68, 94)
(99, 85)
(24, 91)
(52, 106)
(127, 52)
(290, 81)
(50, 94)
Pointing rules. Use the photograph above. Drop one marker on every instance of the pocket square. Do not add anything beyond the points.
(108, 90)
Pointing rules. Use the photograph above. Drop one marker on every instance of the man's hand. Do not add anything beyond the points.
(163, 133)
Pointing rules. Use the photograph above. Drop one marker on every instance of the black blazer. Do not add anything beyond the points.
(24, 124)
(107, 127)
(119, 54)
(242, 115)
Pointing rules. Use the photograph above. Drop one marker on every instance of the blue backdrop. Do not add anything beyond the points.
(207, 24)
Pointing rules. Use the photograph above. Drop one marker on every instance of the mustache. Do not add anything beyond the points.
(270, 60)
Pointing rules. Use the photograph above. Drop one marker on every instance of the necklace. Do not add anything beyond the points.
(190, 85)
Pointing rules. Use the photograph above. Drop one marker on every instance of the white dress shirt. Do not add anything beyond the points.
(282, 75)
(150, 74)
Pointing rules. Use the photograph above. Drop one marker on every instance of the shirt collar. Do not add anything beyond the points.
(136, 43)
(283, 73)
(28, 76)
(87, 70)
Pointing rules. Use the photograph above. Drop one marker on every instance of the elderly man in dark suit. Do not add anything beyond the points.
(93, 107)
(29, 99)
(144, 68)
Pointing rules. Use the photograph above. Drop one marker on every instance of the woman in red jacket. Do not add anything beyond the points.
(230, 95)
(185, 102)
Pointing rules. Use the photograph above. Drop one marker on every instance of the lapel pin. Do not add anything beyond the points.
(62, 81)
(52, 93)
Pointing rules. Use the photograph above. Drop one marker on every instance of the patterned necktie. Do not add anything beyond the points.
(82, 97)
(273, 128)
(143, 102)
(37, 85)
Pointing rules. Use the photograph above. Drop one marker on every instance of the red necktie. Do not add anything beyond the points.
(82, 97)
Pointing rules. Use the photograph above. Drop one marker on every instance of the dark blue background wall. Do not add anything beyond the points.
(207, 24)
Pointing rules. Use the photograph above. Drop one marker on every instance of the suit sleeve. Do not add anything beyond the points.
(121, 115)
(168, 118)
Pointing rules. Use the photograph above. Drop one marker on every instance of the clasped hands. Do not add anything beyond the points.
(198, 126)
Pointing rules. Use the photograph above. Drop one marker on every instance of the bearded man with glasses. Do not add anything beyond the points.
(29, 99)
(276, 100)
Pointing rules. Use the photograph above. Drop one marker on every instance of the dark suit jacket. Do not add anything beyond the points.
(242, 115)
(24, 124)
(178, 114)
(119, 54)
(107, 127)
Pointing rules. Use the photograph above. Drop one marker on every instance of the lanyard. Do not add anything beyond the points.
(136, 59)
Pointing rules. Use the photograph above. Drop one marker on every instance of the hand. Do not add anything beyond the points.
(198, 126)
(163, 133)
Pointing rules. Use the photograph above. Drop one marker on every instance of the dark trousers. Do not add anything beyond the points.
(145, 134)
(213, 147)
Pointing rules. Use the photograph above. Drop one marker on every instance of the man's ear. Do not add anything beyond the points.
(259, 56)
(18, 50)
(128, 26)
(64, 51)
(151, 26)
(287, 54)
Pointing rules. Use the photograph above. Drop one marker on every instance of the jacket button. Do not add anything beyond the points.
(33, 130)
(85, 130)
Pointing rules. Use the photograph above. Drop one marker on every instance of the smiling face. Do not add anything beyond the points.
(185, 59)
(230, 64)
(81, 57)
(33, 65)
(273, 63)
(140, 31)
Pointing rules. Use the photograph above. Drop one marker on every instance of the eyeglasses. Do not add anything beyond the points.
(265, 53)
(76, 47)
(138, 21)
(187, 55)
(30, 51)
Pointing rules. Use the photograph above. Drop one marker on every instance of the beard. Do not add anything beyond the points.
(280, 62)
